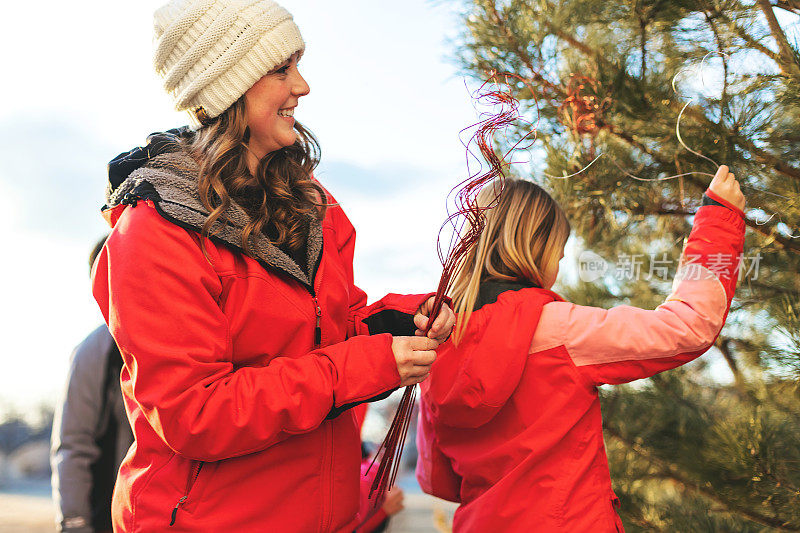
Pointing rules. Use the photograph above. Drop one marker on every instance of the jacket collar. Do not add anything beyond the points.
(490, 290)
(169, 180)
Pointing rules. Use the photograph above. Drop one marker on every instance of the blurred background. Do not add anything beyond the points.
(710, 447)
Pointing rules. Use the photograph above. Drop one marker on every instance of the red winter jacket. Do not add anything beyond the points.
(510, 423)
(240, 417)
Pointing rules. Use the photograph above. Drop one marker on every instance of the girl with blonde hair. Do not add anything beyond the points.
(510, 425)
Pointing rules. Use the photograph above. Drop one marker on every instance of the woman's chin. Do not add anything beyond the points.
(288, 140)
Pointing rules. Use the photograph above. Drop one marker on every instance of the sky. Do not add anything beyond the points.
(386, 103)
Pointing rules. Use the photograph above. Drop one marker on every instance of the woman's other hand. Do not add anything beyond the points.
(726, 186)
(414, 357)
(393, 503)
(441, 327)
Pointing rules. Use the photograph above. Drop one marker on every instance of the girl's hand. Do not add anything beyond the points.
(443, 325)
(414, 357)
(725, 186)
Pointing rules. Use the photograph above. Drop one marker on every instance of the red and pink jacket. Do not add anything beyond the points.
(510, 424)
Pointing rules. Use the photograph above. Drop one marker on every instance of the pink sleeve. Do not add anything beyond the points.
(435, 472)
(626, 343)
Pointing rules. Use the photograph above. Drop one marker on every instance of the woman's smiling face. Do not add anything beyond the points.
(270, 106)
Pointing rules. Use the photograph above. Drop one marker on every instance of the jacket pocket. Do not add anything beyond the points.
(194, 473)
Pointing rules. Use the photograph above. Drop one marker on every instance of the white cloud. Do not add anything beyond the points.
(48, 309)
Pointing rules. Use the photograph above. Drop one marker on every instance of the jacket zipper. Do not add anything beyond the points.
(327, 458)
(194, 473)
(318, 327)
(312, 289)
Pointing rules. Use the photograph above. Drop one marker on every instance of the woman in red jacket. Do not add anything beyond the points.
(510, 423)
(227, 283)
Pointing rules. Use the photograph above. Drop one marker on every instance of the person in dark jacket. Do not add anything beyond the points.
(227, 283)
(510, 425)
(91, 434)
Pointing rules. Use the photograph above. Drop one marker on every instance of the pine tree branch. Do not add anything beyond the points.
(640, 520)
(759, 154)
(768, 230)
(752, 42)
(578, 44)
(787, 54)
(671, 471)
(724, 346)
(521, 52)
(742, 33)
(772, 288)
(763, 156)
(643, 46)
(661, 382)
(793, 6)
(749, 345)
(723, 102)
(661, 211)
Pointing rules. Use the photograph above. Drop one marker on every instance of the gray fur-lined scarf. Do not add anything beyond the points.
(170, 182)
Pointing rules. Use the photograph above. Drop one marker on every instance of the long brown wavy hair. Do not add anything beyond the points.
(524, 237)
(281, 198)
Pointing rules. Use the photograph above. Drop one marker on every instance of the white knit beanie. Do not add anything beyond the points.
(210, 52)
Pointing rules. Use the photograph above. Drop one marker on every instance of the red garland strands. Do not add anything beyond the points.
(468, 220)
(581, 112)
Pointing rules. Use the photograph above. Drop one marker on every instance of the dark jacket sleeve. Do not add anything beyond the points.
(73, 444)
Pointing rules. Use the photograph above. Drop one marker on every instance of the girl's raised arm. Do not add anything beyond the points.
(626, 343)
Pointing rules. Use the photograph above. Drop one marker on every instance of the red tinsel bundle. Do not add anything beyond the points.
(580, 111)
(469, 217)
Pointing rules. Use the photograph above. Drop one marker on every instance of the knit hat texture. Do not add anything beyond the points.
(209, 52)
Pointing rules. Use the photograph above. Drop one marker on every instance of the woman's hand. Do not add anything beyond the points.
(441, 327)
(393, 503)
(725, 186)
(414, 357)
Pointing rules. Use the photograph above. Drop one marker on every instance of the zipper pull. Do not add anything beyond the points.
(175, 510)
(130, 199)
(317, 328)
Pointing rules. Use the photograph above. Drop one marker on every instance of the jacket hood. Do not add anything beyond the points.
(165, 175)
(158, 143)
(472, 381)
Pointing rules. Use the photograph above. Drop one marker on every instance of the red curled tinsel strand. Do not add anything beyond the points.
(582, 112)
(468, 220)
